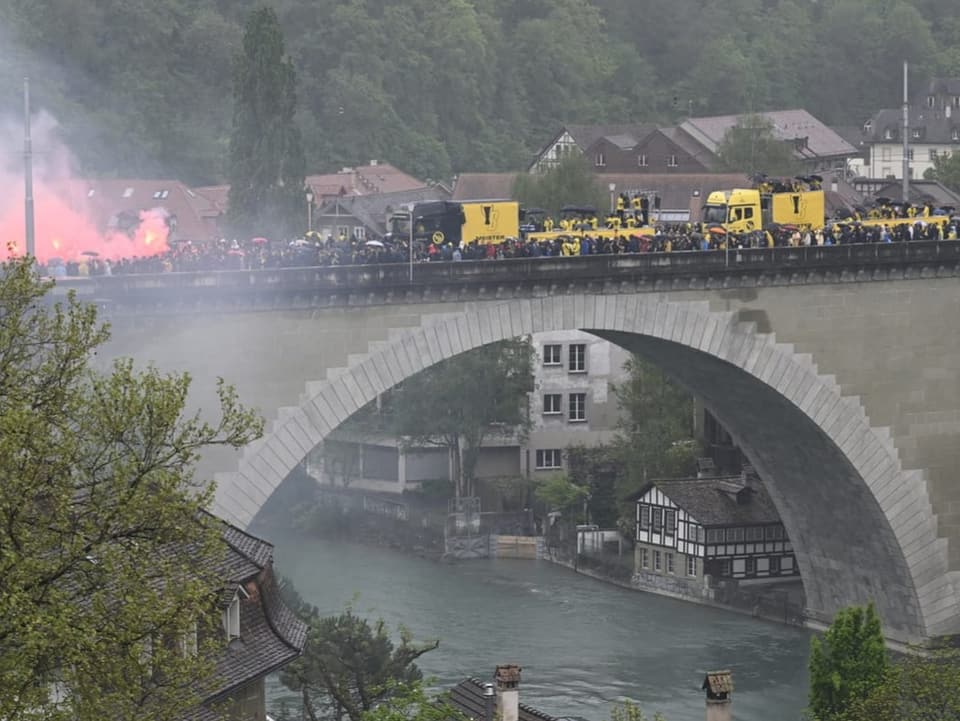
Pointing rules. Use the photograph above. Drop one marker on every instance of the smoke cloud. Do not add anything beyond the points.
(71, 217)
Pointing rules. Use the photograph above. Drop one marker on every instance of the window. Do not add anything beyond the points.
(715, 535)
(656, 561)
(933, 154)
(726, 568)
(642, 161)
(551, 404)
(657, 519)
(734, 535)
(231, 618)
(692, 566)
(889, 134)
(669, 560)
(910, 153)
(359, 232)
(549, 458)
(774, 565)
(343, 231)
(754, 534)
(955, 101)
(670, 522)
(672, 161)
(578, 407)
(931, 101)
(915, 133)
(644, 558)
(600, 161)
(774, 533)
(699, 537)
(577, 358)
(551, 355)
(751, 566)
(955, 134)
(644, 516)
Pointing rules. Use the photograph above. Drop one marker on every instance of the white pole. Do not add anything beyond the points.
(411, 242)
(906, 138)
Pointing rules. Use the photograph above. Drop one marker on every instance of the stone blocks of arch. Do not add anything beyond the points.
(328, 402)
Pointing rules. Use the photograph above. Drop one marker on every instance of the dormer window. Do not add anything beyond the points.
(231, 617)
(955, 134)
(916, 133)
(889, 134)
(868, 126)
(600, 161)
(931, 101)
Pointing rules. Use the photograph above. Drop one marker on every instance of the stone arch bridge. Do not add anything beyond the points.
(836, 370)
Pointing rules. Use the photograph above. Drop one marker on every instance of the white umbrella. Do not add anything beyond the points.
(373, 244)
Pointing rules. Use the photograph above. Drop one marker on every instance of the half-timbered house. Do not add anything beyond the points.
(700, 530)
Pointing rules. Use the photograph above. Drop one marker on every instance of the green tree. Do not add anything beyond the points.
(655, 431)
(629, 711)
(599, 469)
(570, 182)
(560, 493)
(751, 146)
(105, 557)
(946, 169)
(411, 703)
(921, 686)
(351, 666)
(847, 664)
(459, 403)
(266, 156)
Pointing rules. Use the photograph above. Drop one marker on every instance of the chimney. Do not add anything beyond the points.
(719, 687)
(508, 692)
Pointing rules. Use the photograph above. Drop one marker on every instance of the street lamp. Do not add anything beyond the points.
(613, 189)
(309, 209)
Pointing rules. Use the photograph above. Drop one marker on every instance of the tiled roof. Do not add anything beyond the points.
(936, 125)
(104, 199)
(363, 180)
(586, 135)
(787, 125)
(484, 186)
(713, 501)
(921, 191)
(690, 146)
(467, 697)
(255, 549)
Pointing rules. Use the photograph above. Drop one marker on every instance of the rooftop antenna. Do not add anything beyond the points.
(28, 173)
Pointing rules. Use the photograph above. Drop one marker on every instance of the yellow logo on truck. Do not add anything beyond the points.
(438, 237)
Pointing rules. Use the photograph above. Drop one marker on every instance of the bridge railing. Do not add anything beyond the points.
(553, 269)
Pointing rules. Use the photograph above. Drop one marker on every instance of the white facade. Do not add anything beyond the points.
(886, 159)
(563, 146)
(572, 403)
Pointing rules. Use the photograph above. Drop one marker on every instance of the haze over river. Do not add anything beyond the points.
(582, 644)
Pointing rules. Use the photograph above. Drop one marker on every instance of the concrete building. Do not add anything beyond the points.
(572, 404)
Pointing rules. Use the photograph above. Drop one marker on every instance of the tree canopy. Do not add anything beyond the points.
(847, 664)
(266, 157)
(107, 566)
(350, 667)
(459, 403)
(752, 147)
(467, 85)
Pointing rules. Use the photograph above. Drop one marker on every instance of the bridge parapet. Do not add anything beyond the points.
(362, 285)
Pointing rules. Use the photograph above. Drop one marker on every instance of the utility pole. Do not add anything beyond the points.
(906, 139)
(31, 247)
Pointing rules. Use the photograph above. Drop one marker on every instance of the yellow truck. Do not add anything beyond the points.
(444, 221)
(741, 210)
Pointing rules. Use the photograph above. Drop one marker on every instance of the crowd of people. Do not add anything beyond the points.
(259, 253)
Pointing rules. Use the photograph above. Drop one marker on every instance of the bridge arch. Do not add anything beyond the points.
(862, 527)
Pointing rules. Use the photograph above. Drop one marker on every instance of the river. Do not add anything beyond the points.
(583, 644)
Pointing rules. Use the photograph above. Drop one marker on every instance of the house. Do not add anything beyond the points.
(692, 146)
(696, 531)
(580, 138)
(261, 634)
(116, 204)
(495, 701)
(920, 192)
(374, 178)
(365, 216)
(934, 127)
(572, 405)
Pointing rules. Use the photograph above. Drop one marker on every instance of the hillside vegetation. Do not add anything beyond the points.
(144, 87)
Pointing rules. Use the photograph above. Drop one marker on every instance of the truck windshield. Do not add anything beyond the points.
(714, 214)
